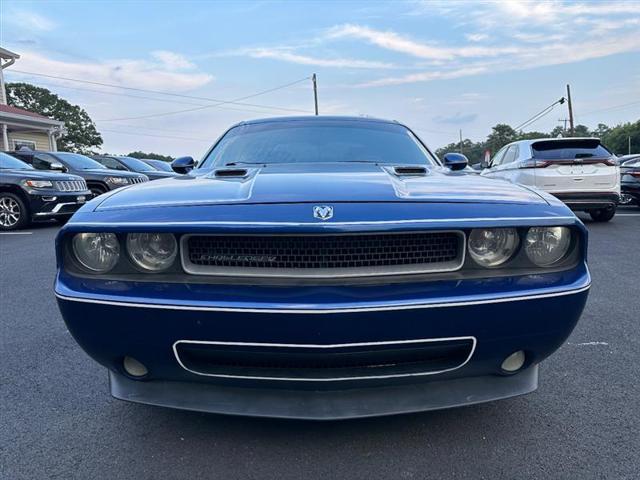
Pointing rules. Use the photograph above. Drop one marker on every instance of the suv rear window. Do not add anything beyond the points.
(569, 149)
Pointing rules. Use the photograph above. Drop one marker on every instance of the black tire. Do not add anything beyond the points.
(603, 214)
(97, 190)
(13, 212)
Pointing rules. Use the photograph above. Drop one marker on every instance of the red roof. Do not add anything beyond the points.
(19, 111)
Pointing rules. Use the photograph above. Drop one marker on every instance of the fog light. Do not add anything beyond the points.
(513, 362)
(134, 368)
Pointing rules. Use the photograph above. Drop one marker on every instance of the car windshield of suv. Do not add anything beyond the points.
(111, 163)
(569, 149)
(137, 165)
(160, 165)
(79, 162)
(634, 162)
(317, 142)
(7, 162)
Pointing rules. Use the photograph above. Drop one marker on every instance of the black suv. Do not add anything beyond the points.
(132, 165)
(27, 194)
(98, 177)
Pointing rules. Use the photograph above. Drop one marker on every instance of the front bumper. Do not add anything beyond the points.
(582, 201)
(537, 322)
(54, 204)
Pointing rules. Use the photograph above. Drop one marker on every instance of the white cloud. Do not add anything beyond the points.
(172, 60)
(288, 56)
(393, 41)
(29, 20)
(476, 37)
(152, 75)
(427, 76)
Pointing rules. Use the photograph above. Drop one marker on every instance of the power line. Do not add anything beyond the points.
(166, 100)
(540, 114)
(159, 92)
(606, 109)
(234, 101)
(137, 134)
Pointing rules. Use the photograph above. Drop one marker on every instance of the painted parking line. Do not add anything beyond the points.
(16, 233)
(627, 214)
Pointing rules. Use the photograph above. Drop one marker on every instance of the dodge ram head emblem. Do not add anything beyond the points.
(322, 212)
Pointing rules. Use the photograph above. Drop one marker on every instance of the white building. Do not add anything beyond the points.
(21, 128)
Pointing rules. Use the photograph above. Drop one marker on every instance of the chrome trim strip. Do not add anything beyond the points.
(340, 345)
(55, 209)
(315, 273)
(320, 224)
(326, 311)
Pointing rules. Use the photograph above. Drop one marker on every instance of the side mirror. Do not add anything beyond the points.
(58, 167)
(455, 161)
(183, 164)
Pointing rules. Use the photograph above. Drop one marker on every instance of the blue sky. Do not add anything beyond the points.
(437, 66)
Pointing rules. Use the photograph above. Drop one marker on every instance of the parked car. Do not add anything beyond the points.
(630, 180)
(99, 178)
(158, 164)
(322, 268)
(29, 195)
(579, 171)
(132, 165)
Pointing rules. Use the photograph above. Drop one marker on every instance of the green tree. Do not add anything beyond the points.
(154, 156)
(473, 151)
(622, 138)
(581, 131)
(81, 135)
(500, 135)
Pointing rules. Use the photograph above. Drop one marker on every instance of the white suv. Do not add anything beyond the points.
(579, 171)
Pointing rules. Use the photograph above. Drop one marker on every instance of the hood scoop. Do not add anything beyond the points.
(410, 171)
(232, 173)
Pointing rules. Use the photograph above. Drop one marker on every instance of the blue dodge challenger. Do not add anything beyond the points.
(322, 268)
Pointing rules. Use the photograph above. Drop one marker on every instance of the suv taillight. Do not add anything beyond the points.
(533, 163)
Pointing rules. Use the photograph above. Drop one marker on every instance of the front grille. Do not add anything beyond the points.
(318, 256)
(71, 185)
(137, 180)
(324, 363)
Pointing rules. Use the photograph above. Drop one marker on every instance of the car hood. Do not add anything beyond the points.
(39, 174)
(321, 183)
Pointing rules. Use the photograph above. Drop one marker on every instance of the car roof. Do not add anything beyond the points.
(318, 118)
(531, 141)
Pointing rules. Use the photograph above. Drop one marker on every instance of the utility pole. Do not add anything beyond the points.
(570, 111)
(564, 121)
(315, 92)
(461, 141)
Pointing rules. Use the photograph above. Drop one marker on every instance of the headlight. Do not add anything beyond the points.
(547, 245)
(38, 183)
(98, 252)
(152, 251)
(491, 247)
(117, 180)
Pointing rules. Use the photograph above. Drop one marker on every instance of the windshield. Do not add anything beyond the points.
(569, 149)
(316, 142)
(8, 162)
(79, 162)
(160, 165)
(110, 163)
(137, 165)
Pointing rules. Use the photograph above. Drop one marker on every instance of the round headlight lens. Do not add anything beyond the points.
(152, 251)
(98, 252)
(547, 245)
(491, 247)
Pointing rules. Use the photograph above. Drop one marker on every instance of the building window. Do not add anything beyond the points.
(18, 144)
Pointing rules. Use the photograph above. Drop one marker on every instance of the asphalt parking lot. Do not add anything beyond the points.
(57, 419)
